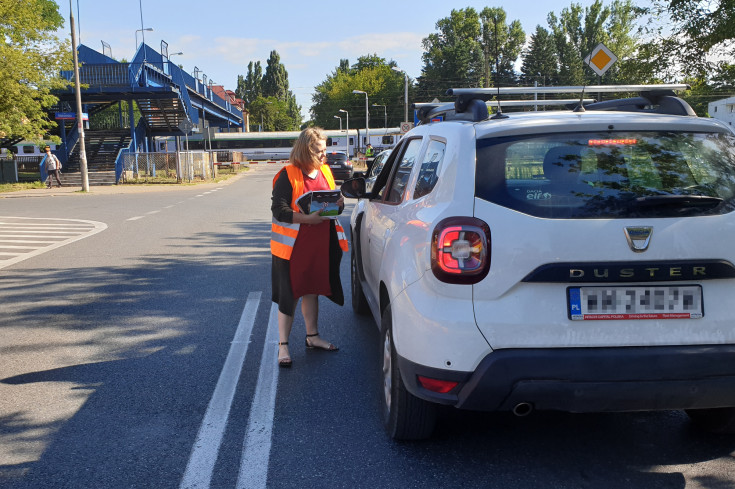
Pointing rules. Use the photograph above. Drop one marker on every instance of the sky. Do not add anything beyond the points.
(222, 36)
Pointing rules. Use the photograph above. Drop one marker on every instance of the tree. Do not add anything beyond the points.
(275, 80)
(539, 60)
(344, 65)
(31, 60)
(273, 113)
(453, 55)
(249, 88)
(691, 32)
(576, 32)
(371, 74)
(501, 46)
(268, 96)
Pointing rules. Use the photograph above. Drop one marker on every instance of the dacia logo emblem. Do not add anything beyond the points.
(638, 238)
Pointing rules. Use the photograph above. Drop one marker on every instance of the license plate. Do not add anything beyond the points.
(335, 166)
(655, 302)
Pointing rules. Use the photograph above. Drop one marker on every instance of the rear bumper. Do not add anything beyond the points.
(589, 379)
(342, 174)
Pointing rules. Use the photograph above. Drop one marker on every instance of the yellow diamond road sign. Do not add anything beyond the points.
(601, 59)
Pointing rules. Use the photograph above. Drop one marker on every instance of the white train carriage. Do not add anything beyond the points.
(277, 145)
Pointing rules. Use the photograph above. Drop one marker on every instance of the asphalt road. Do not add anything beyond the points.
(140, 356)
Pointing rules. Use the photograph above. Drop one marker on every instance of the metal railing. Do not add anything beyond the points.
(139, 134)
(163, 168)
(29, 168)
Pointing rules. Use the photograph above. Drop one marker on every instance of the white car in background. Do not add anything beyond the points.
(559, 260)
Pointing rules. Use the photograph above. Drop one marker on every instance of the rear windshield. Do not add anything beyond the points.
(335, 157)
(612, 174)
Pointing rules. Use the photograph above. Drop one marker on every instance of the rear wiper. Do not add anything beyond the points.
(676, 200)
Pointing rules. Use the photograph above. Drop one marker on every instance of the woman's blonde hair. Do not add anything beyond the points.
(303, 154)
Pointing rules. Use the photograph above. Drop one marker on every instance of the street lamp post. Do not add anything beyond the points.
(143, 31)
(385, 114)
(347, 138)
(80, 116)
(367, 118)
(169, 60)
(405, 92)
(340, 121)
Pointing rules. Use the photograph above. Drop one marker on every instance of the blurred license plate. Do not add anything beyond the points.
(669, 302)
(336, 166)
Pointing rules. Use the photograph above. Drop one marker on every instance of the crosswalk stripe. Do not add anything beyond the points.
(45, 234)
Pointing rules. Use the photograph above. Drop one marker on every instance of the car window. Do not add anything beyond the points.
(336, 157)
(598, 175)
(394, 191)
(429, 168)
(378, 164)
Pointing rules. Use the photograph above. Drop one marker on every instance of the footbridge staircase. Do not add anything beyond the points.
(170, 102)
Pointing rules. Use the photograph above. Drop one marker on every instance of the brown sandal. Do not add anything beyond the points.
(329, 347)
(284, 362)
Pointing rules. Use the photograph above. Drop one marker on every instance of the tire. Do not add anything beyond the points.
(718, 420)
(405, 416)
(359, 302)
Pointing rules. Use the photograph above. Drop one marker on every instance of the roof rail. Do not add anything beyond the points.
(470, 103)
(491, 92)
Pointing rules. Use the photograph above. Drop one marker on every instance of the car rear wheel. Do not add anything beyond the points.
(405, 416)
(359, 302)
(718, 420)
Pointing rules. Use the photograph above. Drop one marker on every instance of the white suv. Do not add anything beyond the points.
(556, 260)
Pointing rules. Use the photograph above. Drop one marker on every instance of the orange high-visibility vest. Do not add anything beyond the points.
(283, 234)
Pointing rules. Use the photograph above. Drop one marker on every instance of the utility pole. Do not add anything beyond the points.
(80, 116)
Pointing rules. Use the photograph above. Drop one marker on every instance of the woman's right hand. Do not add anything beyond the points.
(314, 218)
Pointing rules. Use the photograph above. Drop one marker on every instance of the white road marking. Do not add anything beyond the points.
(257, 444)
(47, 233)
(153, 212)
(198, 472)
(135, 218)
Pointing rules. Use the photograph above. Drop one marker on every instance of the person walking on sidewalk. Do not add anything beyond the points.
(53, 166)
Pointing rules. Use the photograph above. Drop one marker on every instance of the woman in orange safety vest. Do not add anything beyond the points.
(306, 248)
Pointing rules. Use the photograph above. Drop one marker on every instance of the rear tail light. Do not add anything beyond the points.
(460, 250)
(436, 385)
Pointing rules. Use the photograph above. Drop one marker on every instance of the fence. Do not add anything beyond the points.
(28, 167)
(162, 168)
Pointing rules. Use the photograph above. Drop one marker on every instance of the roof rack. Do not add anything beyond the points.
(471, 103)
(545, 102)
(491, 92)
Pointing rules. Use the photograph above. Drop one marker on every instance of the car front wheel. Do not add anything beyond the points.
(718, 420)
(405, 416)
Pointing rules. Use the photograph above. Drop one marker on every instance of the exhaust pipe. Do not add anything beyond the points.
(523, 409)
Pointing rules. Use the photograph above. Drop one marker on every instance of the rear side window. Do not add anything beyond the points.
(591, 175)
(429, 168)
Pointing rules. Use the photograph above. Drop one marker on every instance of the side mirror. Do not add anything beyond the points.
(354, 188)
